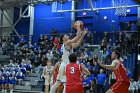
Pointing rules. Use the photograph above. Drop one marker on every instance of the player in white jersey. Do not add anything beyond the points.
(67, 48)
(46, 74)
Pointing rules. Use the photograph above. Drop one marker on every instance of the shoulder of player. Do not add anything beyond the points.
(115, 61)
(67, 47)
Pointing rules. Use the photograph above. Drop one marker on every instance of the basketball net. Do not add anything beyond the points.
(121, 7)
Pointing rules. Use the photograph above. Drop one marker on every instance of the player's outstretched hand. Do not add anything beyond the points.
(85, 31)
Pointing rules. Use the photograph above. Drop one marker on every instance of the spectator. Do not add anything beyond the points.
(19, 76)
(95, 68)
(12, 82)
(89, 67)
(101, 81)
(56, 41)
(91, 78)
(133, 27)
(5, 81)
(23, 70)
(133, 86)
(49, 55)
(86, 84)
(28, 67)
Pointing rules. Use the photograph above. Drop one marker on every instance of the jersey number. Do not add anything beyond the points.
(72, 70)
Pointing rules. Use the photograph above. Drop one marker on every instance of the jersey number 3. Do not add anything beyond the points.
(72, 70)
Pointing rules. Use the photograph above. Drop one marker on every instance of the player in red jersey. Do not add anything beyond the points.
(55, 73)
(122, 81)
(73, 73)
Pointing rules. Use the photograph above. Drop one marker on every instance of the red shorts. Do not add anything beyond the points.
(120, 87)
(74, 89)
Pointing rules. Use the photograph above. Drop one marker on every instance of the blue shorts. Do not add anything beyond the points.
(13, 82)
(20, 77)
(5, 81)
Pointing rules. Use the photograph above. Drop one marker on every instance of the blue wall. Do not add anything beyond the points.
(45, 20)
(98, 23)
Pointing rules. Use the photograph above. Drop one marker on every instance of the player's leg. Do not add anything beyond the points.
(55, 86)
(46, 85)
(60, 88)
(11, 86)
(6, 87)
(46, 88)
(64, 84)
(3, 88)
(59, 78)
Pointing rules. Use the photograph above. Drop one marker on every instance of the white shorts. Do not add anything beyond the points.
(47, 81)
(60, 76)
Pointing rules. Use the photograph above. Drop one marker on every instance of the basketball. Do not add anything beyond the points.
(81, 25)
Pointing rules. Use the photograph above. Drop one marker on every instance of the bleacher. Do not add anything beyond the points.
(33, 83)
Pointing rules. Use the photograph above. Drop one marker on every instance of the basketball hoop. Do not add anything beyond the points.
(121, 7)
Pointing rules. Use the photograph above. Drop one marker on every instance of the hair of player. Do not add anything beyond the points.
(61, 38)
(72, 58)
(117, 53)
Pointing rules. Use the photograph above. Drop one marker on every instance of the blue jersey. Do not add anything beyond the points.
(5, 79)
(19, 75)
(86, 82)
(91, 77)
(12, 80)
(101, 79)
(27, 67)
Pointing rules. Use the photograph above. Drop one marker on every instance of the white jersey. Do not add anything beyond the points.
(48, 71)
(47, 74)
(65, 53)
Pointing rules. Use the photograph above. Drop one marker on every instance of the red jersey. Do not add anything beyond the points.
(120, 73)
(73, 74)
(55, 74)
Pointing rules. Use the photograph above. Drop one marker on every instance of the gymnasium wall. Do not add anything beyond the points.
(22, 26)
(45, 20)
(97, 21)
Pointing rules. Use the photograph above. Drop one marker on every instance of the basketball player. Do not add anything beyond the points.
(46, 74)
(55, 73)
(73, 73)
(122, 81)
(67, 48)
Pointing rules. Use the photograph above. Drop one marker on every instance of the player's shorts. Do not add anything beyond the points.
(60, 76)
(74, 89)
(13, 82)
(47, 82)
(20, 77)
(120, 87)
(5, 81)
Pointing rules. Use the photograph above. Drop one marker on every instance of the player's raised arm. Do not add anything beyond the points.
(74, 45)
(112, 66)
(55, 67)
(85, 71)
(78, 34)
